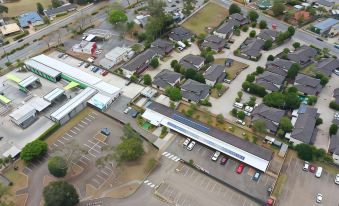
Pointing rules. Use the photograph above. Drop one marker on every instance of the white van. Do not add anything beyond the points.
(238, 105)
(319, 171)
(181, 44)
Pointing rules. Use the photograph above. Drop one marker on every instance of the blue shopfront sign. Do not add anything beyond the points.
(205, 141)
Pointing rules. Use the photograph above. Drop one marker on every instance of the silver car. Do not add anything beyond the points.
(191, 145)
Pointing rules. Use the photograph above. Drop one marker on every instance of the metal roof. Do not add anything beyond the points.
(21, 112)
(38, 103)
(73, 103)
(29, 17)
(28, 81)
(326, 24)
(55, 93)
(42, 68)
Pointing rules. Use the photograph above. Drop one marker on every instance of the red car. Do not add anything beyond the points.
(312, 168)
(223, 160)
(104, 73)
(240, 168)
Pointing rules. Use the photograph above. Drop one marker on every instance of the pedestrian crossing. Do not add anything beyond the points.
(171, 156)
(150, 184)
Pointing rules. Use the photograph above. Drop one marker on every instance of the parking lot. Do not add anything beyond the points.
(302, 187)
(201, 156)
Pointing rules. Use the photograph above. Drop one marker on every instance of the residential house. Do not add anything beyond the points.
(225, 31)
(166, 78)
(193, 91)
(264, 4)
(336, 95)
(271, 116)
(191, 61)
(116, 56)
(239, 18)
(270, 81)
(180, 34)
(307, 85)
(30, 18)
(327, 66)
(162, 47)
(334, 31)
(303, 55)
(304, 130)
(334, 148)
(268, 34)
(214, 74)
(328, 5)
(279, 66)
(324, 27)
(139, 63)
(9, 29)
(251, 48)
(214, 42)
(64, 9)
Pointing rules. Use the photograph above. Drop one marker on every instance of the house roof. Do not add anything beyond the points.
(304, 127)
(326, 24)
(214, 72)
(267, 34)
(307, 84)
(139, 60)
(279, 66)
(190, 61)
(239, 18)
(9, 28)
(327, 66)
(29, 17)
(264, 4)
(336, 95)
(268, 114)
(180, 34)
(252, 47)
(195, 91)
(270, 81)
(166, 78)
(334, 143)
(302, 54)
(60, 9)
(227, 27)
(325, 3)
(162, 46)
(214, 42)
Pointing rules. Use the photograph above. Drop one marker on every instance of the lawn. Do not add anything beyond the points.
(309, 70)
(210, 16)
(234, 70)
(18, 7)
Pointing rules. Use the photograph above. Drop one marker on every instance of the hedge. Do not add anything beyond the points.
(50, 131)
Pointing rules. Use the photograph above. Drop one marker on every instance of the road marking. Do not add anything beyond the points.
(86, 157)
(69, 135)
(80, 125)
(28, 169)
(96, 181)
(177, 159)
(64, 138)
(171, 156)
(149, 183)
(84, 122)
(61, 142)
(146, 181)
(94, 113)
(168, 154)
(153, 185)
(100, 177)
(83, 161)
(164, 153)
(87, 145)
(95, 150)
(73, 132)
(91, 153)
(92, 142)
(108, 168)
(91, 116)
(55, 145)
(88, 119)
(77, 128)
(174, 158)
(104, 172)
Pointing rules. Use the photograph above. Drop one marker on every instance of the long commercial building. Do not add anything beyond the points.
(235, 147)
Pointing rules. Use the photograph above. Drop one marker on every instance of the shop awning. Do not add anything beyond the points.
(71, 85)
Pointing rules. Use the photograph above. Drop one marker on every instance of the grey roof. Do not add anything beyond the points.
(214, 42)
(166, 78)
(252, 47)
(215, 72)
(239, 18)
(270, 81)
(304, 127)
(279, 66)
(269, 114)
(190, 61)
(307, 84)
(194, 91)
(227, 27)
(336, 95)
(60, 9)
(327, 66)
(140, 61)
(226, 137)
(302, 54)
(267, 34)
(162, 46)
(334, 143)
(325, 3)
(180, 34)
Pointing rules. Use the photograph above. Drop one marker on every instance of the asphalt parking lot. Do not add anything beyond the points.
(201, 155)
(302, 187)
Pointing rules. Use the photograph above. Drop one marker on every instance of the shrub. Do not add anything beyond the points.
(234, 112)
(241, 115)
(57, 166)
(334, 105)
(60, 193)
(253, 33)
(250, 78)
(270, 57)
(245, 28)
(33, 151)
(220, 118)
(319, 121)
(333, 129)
(262, 24)
(259, 70)
(305, 152)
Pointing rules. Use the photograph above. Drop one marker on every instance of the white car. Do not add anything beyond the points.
(247, 113)
(306, 166)
(336, 72)
(216, 155)
(239, 121)
(127, 110)
(249, 109)
(319, 171)
(191, 145)
(336, 180)
(319, 198)
(186, 142)
(227, 81)
(336, 115)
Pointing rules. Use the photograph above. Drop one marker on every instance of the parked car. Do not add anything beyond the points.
(247, 113)
(80, 64)
(319, 198)
(319, 171)
(87, 65)
(61, 55)
(104, 73)
(127, 110)
(249, 109)
(223, 160)
(96, 69)
(215, 155)
(105, 131)
(191, 145)
(312, 168)
(134, 113)
(227, 81)
(336, 71)
(20, 40)
(92, 68)
(65, 56)
(239, 121)
(319, 39)
(128, 82)
(240, 168)
(256, 176)
(336, 180)
(306, 166)
(180, 48)
(186, 142)
(238, 105)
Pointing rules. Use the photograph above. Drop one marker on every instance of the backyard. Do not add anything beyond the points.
(19, 7)
(202, 20)
(234, 69)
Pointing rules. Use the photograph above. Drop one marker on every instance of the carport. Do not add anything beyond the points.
(4, 100)
(53, 95)
(29, 82)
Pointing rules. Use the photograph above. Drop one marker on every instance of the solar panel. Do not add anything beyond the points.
(191, 123)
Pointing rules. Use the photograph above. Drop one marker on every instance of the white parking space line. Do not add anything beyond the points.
(80, 125)
(88, 119)
(86, 157)
(108, 168)
(84, 122)
(61, 141)
(92, 149)
(94, 113)
(73, 132)
(164, 153)
(104, 172)
(77, 128)
(91, 153)
(91, 116)
(83, 161)
(55, 145)
(100, 177)
(64, 138)
(69, 135)
(96, 181)
(28, 169)
(87, 145)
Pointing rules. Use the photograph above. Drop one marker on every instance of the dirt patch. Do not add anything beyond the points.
(19, 179)
(124, 191)
(19, 7)
(234, 70)
(48, 179)
(216, 94)
(20, 200)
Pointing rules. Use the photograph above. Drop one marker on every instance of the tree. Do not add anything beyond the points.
(246, 85)
(311, 100)
(293, 71)
(333, 129)
(156, 8)
(234, 8)
(117, 16)
(209, 58)
(174, 63)
(46, 20)
(262, 24)
(245, 28)
(60, 193)
(285, 124)
(34, 150)
(296, 45)
(270, 57)
(218, 86)
(40, 8)
(240, 94)
(188, 7)
(173, 93)
(292, 90)
(253, 33)
(220, 118)
(259, 70)
(291, 31)
(259, 126)
(318, 121)
(241, 115)
(278, 7)
(268, 44)
(57, 166)
(56, 3)
(274, 99)
(3, 9)
(147, 79)
(190, 73)
(253, 15)
(234, 112)
(280, 133)
(292, 101)
(154, 62)
(136, 48)
(305, 151)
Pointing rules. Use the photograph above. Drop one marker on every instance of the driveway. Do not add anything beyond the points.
(326, 113)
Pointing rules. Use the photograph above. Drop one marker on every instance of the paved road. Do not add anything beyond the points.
(299, 34)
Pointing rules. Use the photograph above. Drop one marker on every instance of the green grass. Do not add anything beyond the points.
(309, 70)
(210, 16)
(234, 69)
(19, 7)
